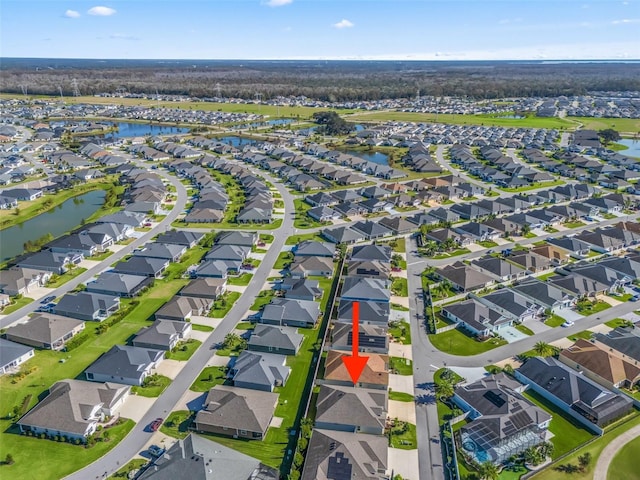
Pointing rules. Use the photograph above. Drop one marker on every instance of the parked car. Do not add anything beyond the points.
(155, 425)
(567, 323)
(155, 450)
(48, 299)
(635, 298)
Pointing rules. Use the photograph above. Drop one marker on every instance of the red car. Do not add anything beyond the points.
(155, 425)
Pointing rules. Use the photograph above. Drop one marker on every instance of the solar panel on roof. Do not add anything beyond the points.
(339, 467)
(494, 398)
(521, 419)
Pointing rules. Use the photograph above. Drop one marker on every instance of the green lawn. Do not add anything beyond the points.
(585, 334)
(177, 424)
(525, 330)
(133, 465)
(576, 224)
(399, 287)
(101, 256)
(277, 223)
(241, 280)
(568, 432)
(49, 460)
(244, 326)
(624, 463)
(488, 244)
(222, 306)
(201, 328)
(405, 441)
(589, 308)
(400, 308)
(554, 321)
(266, 237)
(58, 280)
(16, 305)
(401, 332)
(594, 448)
(295, 239)
(455, 253)
(283, 261)
(400, 366)
(618, 322)
(208, 378)
(184, 350)
(400, 396)
(457, 342)
(302, 220)
(263, 298)
(533, 186)
(621, 297)
(153, 386)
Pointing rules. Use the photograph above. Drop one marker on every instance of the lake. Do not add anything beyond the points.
(126, 130)
(634, 147)
(236, 141)
(375, 157)
(57, 221)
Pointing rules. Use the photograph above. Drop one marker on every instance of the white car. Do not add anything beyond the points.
(567, 323)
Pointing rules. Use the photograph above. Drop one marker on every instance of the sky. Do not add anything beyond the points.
(321, 29)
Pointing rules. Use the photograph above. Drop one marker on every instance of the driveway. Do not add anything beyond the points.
(170, 368)
(404, 463)
(405, 411)
(135, 407)
(569, 314)
(401, 383)
(400, 350)
(537, 326)
(470, 374)
(511, 334)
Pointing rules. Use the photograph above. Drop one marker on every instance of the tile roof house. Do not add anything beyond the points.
(275, 339)
(74, 408)
(236, 412)
(199, 458)
(44, 330)
(87, 306)
(119, 284)
(124, 364)
(12, 355)
(574, 393)
(259, 371)
(289, 312)
(530, 261)
(349, 409)
(601, 365)
(503, 422)
(375, 374)
(332, 454)
(162, 335)
(477, 317)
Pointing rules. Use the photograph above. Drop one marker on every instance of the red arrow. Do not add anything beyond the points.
(355, 364)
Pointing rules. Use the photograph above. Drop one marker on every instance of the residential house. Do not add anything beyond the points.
(243, 239)
(577, 248)
(512, 304)
(624, 341)
(349, 409)
(182, 308)
(150, 267)
(546, 295)
(50, 261)
(236, 412)
(380, 253)
(210, 288)
(499, 268)
(259, 371)
(371, 230)
(288, 312)
(300, 288)
(74, 409)
(371, 313)
(12, 355)
(46, 331)
(310, 248)
(21, 281)
(366, 268)
(500, 421)
(606, 367)
(343, 235)
(366, 289)
(180, 237)
(275, 339)
(165, 251)
(125, 364)
(375, 374)
(371, 338)
(119, 284)
(476, 317)
(464, 278)
(162, 335)
(530, 261)
(311, 266)
(87, 306)
(358, 455)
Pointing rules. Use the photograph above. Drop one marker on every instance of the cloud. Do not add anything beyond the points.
(71, 14)
(344, 23)
(626, 21)
(101, 11)
(277, 3)
(123, 36)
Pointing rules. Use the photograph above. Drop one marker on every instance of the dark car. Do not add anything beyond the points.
(155, 425)
(48, 299)
(155, 450)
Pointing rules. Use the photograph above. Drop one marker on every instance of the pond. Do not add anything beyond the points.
(57, 221)
(126, 130)
(375, 157)
(633, 149)
(237, 141)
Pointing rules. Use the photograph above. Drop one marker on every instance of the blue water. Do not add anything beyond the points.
(266, 123)
(634, 147)
(375, 157)
(126, 130)
(66, 216)
(236, 141)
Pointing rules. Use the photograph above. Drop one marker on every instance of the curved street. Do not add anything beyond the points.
(609, 452)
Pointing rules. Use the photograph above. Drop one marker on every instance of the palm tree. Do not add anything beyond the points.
(525, 229)
(488, 471)
(444, 390)
(543, 349)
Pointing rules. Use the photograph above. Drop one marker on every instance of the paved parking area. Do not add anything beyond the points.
(135, 407)
(395, 315)
(401, 383)
(569, 314)
(511, 334)
(399, 350)
(537, 326)
(405, 411)
(404, 463)
(170, 368)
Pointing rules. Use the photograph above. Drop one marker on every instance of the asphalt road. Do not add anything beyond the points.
(163, 225)
(134, 442)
